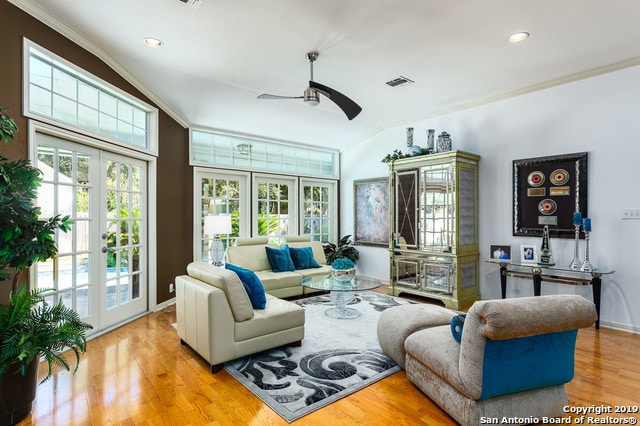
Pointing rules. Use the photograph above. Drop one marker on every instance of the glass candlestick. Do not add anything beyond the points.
(586, 266)
(575, 263)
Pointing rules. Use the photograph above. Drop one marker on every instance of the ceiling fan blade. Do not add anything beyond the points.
(268, 96)
(349, 107)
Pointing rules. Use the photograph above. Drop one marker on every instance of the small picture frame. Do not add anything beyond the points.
(500, 252)
(528, 253)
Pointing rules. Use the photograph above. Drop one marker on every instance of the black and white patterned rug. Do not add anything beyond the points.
(338, 357)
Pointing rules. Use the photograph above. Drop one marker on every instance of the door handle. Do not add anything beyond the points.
(106, 249)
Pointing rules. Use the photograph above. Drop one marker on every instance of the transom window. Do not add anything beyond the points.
(223, 150)
(58, 91)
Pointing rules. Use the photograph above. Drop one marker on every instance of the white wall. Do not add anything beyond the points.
(600, 115)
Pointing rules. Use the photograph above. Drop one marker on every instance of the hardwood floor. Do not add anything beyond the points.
(139, 374)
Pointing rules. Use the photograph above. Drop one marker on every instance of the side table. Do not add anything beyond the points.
(555, 274)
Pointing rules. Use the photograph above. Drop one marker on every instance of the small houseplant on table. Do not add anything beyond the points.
(29, 326)
(344, 248)
(343, 270)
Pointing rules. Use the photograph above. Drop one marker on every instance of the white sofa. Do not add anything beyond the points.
(250, 253)
(216, 319)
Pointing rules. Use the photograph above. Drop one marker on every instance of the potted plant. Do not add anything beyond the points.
(29, 327)
(344, 248)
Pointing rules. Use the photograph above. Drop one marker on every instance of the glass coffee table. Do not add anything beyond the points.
(341, 293)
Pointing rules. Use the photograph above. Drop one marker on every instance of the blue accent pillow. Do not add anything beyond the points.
(252, 285)
(457, 323)
(303, 258)
(529, 362)
(280, 259)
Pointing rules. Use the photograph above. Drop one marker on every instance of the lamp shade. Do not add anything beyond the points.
(219, 224)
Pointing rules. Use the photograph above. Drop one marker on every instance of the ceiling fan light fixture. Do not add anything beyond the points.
(311, 97)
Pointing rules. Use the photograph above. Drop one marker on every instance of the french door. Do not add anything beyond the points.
(101, 266)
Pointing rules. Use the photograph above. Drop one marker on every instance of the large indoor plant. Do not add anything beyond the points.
(29, 327)
(25, 238)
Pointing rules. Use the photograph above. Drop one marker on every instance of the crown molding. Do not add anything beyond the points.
(32, 9)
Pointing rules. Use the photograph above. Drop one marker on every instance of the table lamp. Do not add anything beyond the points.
(216, 225)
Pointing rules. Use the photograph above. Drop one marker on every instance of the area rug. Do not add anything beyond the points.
(337, 358)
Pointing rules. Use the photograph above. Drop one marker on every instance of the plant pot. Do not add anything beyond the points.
(343, 275)
(17, 393)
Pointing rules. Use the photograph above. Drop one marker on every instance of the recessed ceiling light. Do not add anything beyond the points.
(152, 42)
(518, 37)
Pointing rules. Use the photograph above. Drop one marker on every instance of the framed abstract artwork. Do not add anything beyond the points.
(371, 212)
(546, 191)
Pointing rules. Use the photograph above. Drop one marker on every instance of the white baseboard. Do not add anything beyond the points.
(165, 304)
(621, 327)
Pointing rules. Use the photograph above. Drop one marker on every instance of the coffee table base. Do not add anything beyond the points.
(340, 299)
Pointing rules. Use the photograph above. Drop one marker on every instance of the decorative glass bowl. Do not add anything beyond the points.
(343, 275)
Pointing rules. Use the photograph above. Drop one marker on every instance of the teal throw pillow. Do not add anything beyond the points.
(280, 259)
(303, 258)
(457, 323)
(252, 285)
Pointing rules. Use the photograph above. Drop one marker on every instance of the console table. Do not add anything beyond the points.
(554, 274)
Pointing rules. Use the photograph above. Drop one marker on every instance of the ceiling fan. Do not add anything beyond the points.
(349, 107)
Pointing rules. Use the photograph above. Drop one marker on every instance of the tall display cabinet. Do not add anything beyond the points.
(434, 223)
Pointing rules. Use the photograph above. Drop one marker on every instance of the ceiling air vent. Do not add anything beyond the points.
(400, 81)
(192, 3)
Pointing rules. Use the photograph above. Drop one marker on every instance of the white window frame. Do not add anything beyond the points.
(294, 200)
(245, 223)
(333, 204)
(152, 113)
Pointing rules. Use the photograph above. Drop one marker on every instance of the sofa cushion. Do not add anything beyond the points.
(228, 282)
(252, 285)
(279, 315)
(526, 367)
(249, 253)
(280, 259)
(303, 258)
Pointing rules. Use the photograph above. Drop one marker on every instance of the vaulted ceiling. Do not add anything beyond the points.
(217, 57)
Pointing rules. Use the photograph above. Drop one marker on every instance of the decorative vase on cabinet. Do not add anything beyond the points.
(434, 218)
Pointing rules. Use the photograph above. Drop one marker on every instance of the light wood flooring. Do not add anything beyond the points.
(139, 374)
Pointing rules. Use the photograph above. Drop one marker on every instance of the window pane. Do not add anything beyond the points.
(64, 109)
(88, 95)
(40, 101)
(40, 73)
(64, 85)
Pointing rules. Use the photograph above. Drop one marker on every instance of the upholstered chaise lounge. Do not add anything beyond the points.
(513, 358)
(216, 319)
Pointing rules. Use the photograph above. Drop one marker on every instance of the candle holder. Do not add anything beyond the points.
(586, 266)
(575, 263)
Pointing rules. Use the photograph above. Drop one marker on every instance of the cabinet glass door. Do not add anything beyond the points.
(437, 208)
(406, 216)
(438, 275)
